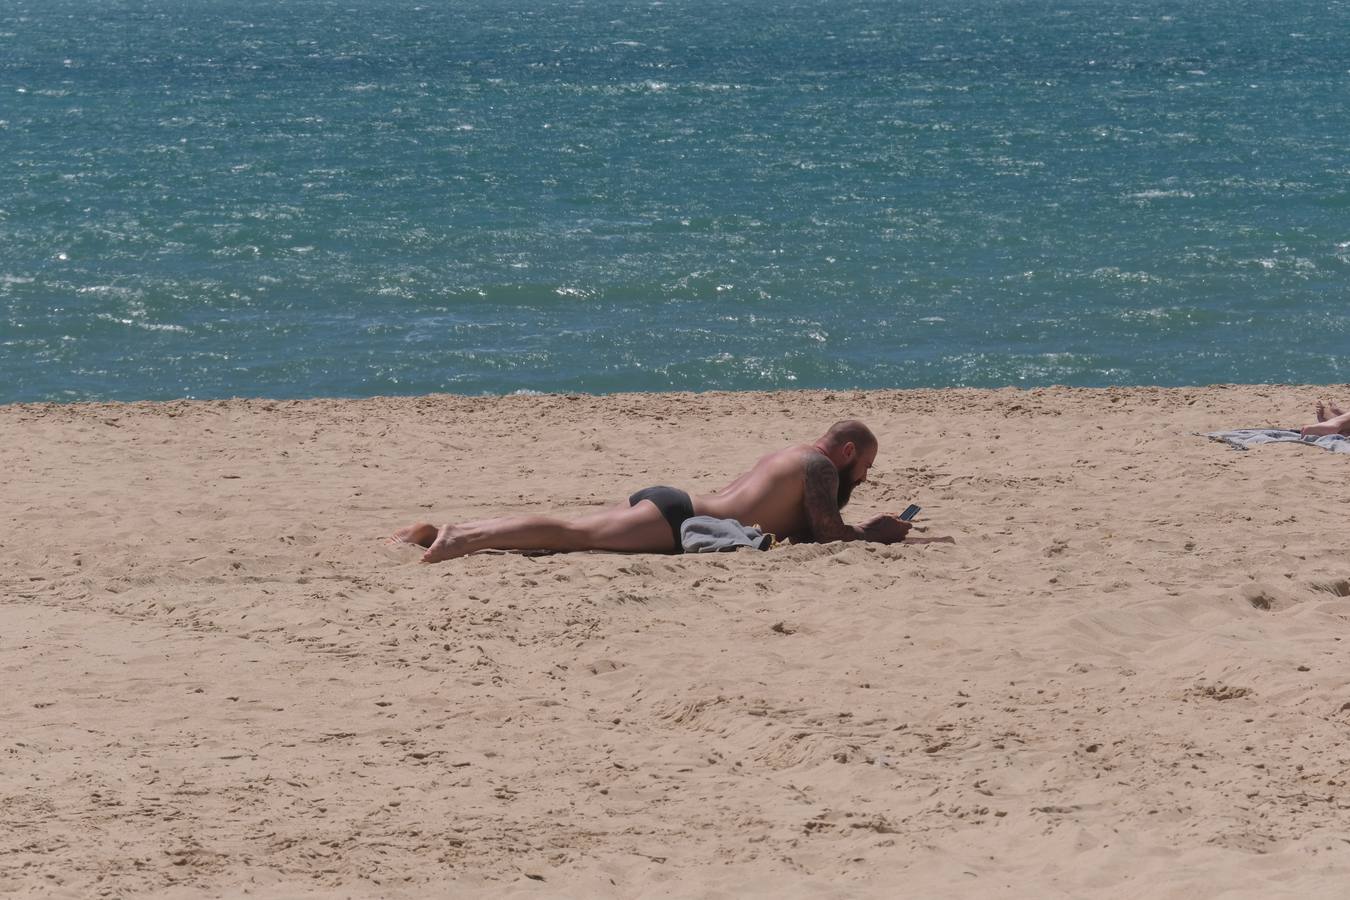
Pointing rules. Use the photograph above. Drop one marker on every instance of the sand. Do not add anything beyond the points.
(1126, 678)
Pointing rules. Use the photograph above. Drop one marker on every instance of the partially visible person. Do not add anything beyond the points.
(795, 493)
(1330, 420)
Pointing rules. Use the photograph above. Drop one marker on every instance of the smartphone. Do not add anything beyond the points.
(910, 512)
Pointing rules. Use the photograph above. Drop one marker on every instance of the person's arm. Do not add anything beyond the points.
(821, 498)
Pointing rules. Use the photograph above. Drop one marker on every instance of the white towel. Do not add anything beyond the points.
(1247, 438)
(705, 534)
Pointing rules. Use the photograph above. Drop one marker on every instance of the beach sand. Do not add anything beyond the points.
(1127, 678)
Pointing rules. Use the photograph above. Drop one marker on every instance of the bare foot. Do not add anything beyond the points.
(1327, 411)
(1323, 427)
(448, 545)
(420, 534)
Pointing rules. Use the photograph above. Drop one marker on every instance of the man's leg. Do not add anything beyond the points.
(631, 529)
(1338, 425)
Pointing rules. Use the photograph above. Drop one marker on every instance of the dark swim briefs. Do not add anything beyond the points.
(674, 504)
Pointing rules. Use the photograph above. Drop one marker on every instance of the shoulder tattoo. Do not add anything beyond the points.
(822, 500)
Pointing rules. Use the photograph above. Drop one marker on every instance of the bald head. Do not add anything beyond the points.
(846, 432)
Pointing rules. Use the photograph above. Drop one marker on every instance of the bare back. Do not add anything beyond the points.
(771, 495)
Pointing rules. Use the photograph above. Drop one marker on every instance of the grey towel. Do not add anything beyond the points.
(705, 534)
(1247, 438)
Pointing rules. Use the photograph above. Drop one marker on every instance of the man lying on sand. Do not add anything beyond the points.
(1330, 420)
(795, 493)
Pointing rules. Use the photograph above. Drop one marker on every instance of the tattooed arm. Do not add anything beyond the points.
(822, 502)
(821, 499)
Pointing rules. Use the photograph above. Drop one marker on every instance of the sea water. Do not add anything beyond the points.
(292, 198)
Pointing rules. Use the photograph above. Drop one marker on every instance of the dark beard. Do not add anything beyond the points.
(847, 479)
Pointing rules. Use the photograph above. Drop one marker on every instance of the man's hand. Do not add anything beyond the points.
(885, 529)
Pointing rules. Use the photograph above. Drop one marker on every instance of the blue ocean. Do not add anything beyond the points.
(298, 198)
